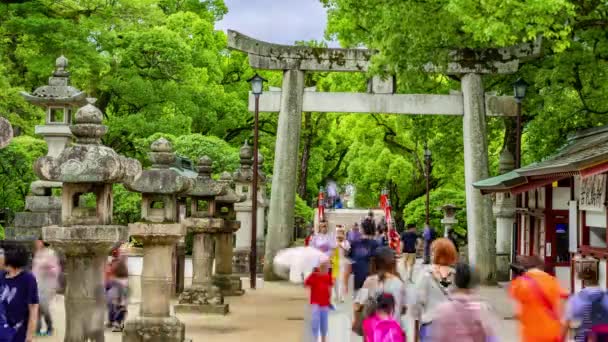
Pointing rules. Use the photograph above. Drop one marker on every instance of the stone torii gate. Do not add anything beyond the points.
(472, 103)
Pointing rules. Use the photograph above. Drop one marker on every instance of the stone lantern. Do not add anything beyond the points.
(87, 233)
(449, 217)
(59, 100)
(159, 231)
(229, 284)
(504, 211)
(202, 296)
(243, 183)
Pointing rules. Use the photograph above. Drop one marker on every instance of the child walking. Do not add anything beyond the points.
(320, 283)
(382, 326)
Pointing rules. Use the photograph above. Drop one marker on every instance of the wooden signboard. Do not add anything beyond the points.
(592, 193)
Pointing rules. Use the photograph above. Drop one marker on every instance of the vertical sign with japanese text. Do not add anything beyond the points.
(592, 193)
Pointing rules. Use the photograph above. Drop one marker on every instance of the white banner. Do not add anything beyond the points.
(592, 193)
(573, 227)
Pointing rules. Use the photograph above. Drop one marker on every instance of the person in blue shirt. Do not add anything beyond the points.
(19, 294)
(361, 253)
(429, 235)
(409, 240)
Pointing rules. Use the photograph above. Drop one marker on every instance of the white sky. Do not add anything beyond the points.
(276, 21)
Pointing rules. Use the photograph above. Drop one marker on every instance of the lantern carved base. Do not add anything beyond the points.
(206, 299)
(229, 285)
(154, 329)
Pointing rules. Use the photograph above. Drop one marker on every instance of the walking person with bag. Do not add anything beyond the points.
(464, 317)
(587, 311)
(433, 285)
(386, 280)
(381, 326)
(539, 296)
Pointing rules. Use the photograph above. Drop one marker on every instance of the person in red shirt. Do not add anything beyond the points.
(320, 283)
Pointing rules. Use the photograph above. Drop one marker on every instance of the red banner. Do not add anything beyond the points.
(394, 241)
(321, 207)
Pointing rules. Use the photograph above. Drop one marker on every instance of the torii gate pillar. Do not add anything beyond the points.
(284, 175)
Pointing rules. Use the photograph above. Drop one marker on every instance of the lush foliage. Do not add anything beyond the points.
(158, 68)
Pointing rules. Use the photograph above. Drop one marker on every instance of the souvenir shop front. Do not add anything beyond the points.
(562, 217)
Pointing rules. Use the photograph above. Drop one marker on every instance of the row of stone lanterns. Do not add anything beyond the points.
(86, 234)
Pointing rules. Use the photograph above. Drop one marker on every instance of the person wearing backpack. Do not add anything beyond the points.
(381, 326)
(464, 318)
(587, 310)
(433, 285)
(386, 280)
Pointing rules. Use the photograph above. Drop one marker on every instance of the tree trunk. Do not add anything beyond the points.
(303, 174)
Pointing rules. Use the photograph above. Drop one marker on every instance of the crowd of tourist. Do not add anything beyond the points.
(446, 305)
(28, 289)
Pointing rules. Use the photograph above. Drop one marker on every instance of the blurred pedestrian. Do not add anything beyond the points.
(465, 317)
(386, 280)
(19, 294)
(354, 234)
(453, 237)
(117, 286)
(429, 235)
(587, 311)
(340, 265)
(434, 284)
(361, 253)
(322, 240)
(320, 284)
(382, 326)
(46, 269)
(538, 295)
(409, 241)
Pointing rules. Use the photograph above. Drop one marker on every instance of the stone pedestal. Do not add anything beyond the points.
(202, 296)
(229, 284)
(155, 322)
(86, 249)
(41, 209)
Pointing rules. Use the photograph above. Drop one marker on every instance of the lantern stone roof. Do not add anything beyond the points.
(204, 185)
(161, 178)
(585, 153)
(229, 196)
(58, 91)
(87, 160)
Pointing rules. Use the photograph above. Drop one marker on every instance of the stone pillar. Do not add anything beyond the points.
(155, 322)
(86, 249)
(87, 234)
(203, 252)
(482, 248)
(159, 232)
(229, 284)
(283, 194)
(242, 178)
(202, 296)
(504, 211)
